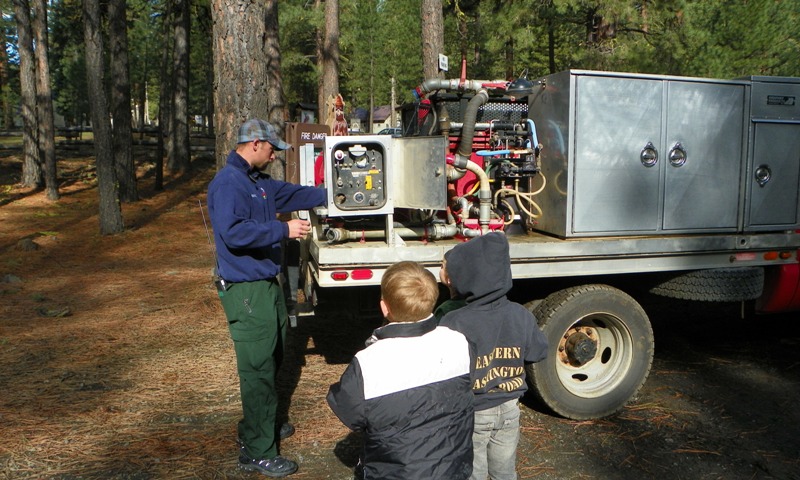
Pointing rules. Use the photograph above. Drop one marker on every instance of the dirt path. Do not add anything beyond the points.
(115, 363)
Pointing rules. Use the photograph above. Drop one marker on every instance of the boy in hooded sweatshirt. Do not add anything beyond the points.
(505, 336)
(454, 302)
(409, 390)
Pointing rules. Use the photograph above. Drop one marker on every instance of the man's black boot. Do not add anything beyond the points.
(273, 467)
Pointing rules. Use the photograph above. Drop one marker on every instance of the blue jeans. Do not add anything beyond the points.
(494, 442)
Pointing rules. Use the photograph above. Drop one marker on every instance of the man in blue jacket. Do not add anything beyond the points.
(243, 204)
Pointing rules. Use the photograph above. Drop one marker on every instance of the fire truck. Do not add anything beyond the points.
(606, 184)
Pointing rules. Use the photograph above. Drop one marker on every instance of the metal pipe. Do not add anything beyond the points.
(471, 232)
(435, 231)
(464, 203)
(484, 195)
(433, 84)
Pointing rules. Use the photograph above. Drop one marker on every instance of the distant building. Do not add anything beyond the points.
(305, 112)
(358, 120)
(382, 118)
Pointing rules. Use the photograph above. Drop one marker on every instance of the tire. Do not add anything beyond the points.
(600, 349)
(716, 285)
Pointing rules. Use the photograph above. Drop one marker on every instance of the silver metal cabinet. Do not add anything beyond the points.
(773, 170)
(639, 154)
(704, 150)
(374, 174)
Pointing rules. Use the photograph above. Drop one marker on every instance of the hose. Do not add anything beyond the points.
(492, 153)
(532, 131)
(470, 118)
(527, 197)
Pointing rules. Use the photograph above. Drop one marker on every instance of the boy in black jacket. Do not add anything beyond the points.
(505, 336)
(409, 390)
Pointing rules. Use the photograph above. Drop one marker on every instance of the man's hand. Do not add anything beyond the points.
(298, 228)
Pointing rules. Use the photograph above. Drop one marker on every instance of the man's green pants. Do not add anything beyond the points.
(256, 313)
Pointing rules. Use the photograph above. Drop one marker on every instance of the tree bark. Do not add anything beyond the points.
(330, 53)
(275, 96)
(509, 51)
(322, 111)
(110, 212)
(432, 37)
(7, 117)
(31, 164)
(243, 64)
(164, 100)
(180, 160)
(205, 25)
(44, 101)
(121, 101)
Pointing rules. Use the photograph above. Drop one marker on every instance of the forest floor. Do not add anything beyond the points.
(115, 360)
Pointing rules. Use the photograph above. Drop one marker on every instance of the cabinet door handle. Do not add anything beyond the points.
(649, 155)
(763, 175)
(677, 156)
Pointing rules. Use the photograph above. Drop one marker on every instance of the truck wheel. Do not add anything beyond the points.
(600, 348)
(715, 285)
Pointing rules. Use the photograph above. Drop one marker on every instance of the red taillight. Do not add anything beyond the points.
(339, 276)
(363, 274)
(770, 255)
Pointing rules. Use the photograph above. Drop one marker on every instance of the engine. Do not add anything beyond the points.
(467, 163)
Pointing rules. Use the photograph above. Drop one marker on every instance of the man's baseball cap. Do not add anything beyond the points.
(257, 129)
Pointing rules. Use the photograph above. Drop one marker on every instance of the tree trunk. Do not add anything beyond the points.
(509, 51)
(31, 164)
(322, 111)
(121, 101)
(110, 212)
(7, 118)
(551, 46)
(275, 97)
(432, 37)
(164, 102)
(141, 93)
(210, 99)
(330, 52)
(205, 25)
(243, 68)
(180, 160)
(44, 103)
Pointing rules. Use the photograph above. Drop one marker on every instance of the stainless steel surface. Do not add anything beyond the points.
(612, 191)
(306, 161)
(773, 184)
(633, 154)
(645, 173)
(390, 173)
(705, 133)
(775, 98)
(356, 172)
(541, 256)
(773, 170)
(418, 173)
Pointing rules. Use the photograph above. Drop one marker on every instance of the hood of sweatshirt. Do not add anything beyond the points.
(480, 269)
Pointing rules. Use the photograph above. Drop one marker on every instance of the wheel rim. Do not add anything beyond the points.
(594, 355)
